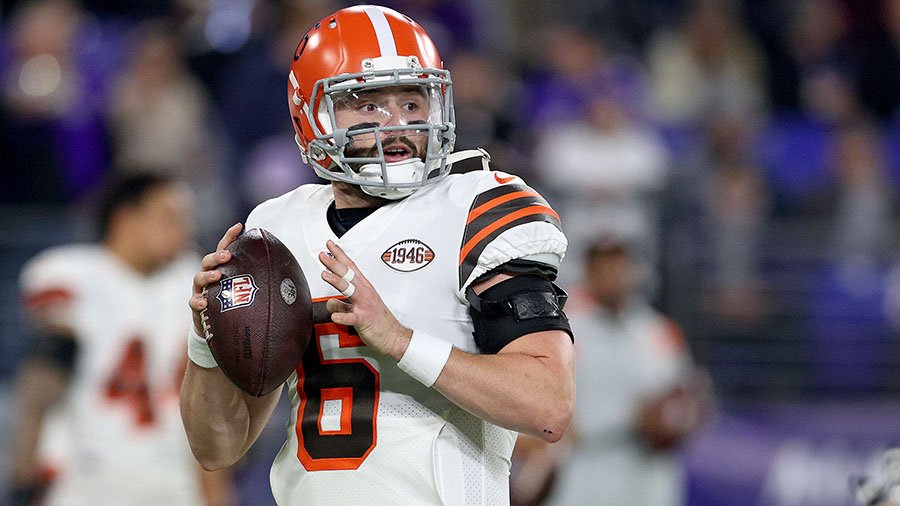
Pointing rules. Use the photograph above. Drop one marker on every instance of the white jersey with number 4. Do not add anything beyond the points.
(362, 431)
(116, 436)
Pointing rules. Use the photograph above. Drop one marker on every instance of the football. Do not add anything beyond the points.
(258, 317)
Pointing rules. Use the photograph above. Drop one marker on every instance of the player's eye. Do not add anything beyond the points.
(368, 107)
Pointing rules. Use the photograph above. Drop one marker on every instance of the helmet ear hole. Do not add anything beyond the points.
(300, 47)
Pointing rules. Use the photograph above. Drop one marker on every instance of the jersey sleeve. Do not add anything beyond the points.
(508, 220)
(49, 287)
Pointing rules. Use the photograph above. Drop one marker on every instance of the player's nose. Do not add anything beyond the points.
(394, 116)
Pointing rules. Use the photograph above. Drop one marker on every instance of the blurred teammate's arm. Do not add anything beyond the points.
(41, 382)
(534, 468)
(666, 419)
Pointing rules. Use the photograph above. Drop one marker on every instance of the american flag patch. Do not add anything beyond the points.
(237, 291)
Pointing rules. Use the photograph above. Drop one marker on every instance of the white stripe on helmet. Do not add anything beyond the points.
(383, 31)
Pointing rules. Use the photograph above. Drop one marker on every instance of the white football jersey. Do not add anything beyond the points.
(622, 360)
(116, 437)
(362, 431)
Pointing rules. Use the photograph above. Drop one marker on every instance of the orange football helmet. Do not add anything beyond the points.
(350, 57)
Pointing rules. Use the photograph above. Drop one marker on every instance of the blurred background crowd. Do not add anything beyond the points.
(747, 152)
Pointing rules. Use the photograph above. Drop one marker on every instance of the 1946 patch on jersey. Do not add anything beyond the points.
(237, 291)
(407, 256)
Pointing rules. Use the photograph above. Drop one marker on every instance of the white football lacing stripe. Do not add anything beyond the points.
(386, 43)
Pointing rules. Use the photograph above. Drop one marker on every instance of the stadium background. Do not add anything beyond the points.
(749, 150)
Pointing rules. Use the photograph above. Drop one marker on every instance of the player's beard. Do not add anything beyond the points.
(372, 152)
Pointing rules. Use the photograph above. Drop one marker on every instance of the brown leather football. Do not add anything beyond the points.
(258, 317)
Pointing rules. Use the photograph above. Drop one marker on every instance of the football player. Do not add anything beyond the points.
(98, 391)
(447, 335)
(642, 396)
(881, 489)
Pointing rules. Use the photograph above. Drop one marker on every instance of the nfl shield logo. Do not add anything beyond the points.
(237, 291)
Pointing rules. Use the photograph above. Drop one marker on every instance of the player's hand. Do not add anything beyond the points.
(372, 319)
(666, 420)
(208, 273)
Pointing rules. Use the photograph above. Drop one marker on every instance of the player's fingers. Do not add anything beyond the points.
(230, 235)
(334, 265)
(338, 306)
(339, 254)
(340, 284)
(204, 278)
(341, 265)
(212, 260)
(348, 319)
(197, 303)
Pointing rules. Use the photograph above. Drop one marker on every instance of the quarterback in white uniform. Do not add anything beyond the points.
(108, 319)
(446, 333)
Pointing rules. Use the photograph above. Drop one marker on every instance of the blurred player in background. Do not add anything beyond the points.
(98, 421)
(880, 488)
(447, 333)
(638, 394)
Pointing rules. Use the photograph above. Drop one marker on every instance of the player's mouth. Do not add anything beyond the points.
(396, 152)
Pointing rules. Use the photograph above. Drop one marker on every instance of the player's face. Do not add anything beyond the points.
(164, 218)
(608, 277)
(389, 106)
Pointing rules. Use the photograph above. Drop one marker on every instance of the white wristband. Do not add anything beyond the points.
(425, 357)
(198, 350)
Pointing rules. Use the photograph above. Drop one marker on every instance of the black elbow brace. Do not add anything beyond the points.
(516, 307)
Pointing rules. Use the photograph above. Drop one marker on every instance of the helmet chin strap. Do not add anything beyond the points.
(410, 171)
(471, 153)
(404, 171)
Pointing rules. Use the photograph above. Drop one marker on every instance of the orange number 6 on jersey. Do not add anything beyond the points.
(338, 403)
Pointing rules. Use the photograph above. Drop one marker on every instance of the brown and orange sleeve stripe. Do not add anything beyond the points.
(496, 211)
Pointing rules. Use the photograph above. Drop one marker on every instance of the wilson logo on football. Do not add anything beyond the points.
(407, 256)
(237, 291)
